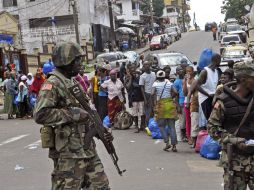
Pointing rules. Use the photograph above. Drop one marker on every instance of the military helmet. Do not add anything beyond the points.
(65, 53)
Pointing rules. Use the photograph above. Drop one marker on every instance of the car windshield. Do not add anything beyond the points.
(107, 57)
(156, 39)
(169, 30)
(230, 39)
(172, 60)
(233, 28)
(233, 54)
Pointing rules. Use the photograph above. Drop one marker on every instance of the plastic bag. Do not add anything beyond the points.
(155, 130)
(16, 100)
(210, 149)
(205, 58)
(106, 122)
(32, 100)
(201, 139)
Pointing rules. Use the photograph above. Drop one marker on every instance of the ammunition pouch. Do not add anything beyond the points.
(47, 137)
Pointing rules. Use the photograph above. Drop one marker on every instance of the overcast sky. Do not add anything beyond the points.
(206, 11)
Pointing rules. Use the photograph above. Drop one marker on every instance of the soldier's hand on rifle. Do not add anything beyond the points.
(108, 135)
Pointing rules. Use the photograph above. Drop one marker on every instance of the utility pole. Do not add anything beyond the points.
(183, 14)
(20, 35)
(73, 3)
(111, 19)
(151, 13)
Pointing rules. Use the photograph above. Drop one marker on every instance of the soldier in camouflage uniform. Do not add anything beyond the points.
(223, 126)
(75, 168)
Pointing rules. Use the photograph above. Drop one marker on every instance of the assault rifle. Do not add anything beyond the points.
(230, 166)
(98, 129)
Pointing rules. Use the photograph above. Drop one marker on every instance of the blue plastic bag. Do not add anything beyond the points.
(155, 130)
(16, 100)
(205, 58)
(210, 149)
(32, 100)
(106, 122)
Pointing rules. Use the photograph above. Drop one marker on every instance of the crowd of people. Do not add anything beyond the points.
(184, 103)
(20, 92)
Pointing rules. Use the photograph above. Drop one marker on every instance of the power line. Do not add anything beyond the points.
(18, 9)
(35, 19)
(42, 11)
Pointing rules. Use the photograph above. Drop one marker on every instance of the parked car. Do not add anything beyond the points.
(112, 58)
(171, 33)
(156, 43)
(231, 21)
(229, 40)
(177, 30)
(235, 53)
(161, 60)
(237, 29)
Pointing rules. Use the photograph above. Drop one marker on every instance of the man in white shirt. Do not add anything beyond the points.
(146, 82)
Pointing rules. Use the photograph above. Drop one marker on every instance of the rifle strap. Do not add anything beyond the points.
(247, 113)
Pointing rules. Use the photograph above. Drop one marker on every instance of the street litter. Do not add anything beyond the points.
(32, 147)
(18, 167)
(148, 169)
(158, 168)
(157, 141)
(132, 141)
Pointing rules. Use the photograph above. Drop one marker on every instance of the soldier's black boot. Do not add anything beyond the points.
(135, 119)
(143, 123)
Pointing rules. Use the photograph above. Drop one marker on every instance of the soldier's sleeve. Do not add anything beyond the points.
(215, 122)
(47, 111)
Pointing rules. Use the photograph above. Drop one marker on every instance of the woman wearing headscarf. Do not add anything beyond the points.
(38, 81)
(115, 89)
(10, 91)
(23, 98)
(30, 79)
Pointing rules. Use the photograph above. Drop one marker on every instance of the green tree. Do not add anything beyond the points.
(235, 8)
(158, 6)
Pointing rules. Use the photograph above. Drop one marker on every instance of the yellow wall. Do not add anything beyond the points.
(167, 2)
(8, 25)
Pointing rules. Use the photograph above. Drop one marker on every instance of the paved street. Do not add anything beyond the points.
(148, 166)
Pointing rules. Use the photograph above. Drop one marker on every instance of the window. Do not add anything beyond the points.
(9, 3)
(47, 21)
(170, 10)
(133, 5)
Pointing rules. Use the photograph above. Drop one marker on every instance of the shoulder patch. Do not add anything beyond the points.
(46, 87)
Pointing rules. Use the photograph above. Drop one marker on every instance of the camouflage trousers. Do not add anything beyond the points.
(243, 172)
(76, 174)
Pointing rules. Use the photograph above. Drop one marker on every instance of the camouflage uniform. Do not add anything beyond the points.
(222, 124)
(75, 167)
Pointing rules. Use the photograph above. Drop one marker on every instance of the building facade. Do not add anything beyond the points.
(51, 21)
(175, 11)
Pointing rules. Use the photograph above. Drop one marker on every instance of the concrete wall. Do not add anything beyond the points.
(129, 14)
(89, 11)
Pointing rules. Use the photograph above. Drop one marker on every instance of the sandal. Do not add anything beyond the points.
(174, 148)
